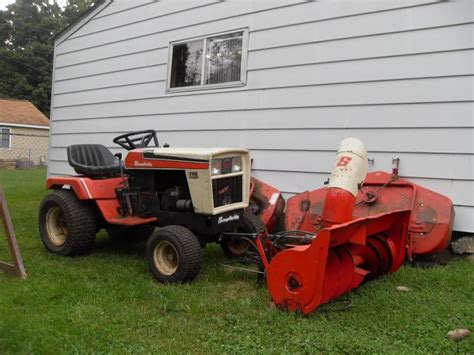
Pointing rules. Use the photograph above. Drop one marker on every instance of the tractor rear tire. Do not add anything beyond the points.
(67, 225)
(174, 255)
(235, 248)
(134, 234)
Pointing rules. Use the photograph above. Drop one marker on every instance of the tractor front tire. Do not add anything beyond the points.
(174, 255)
(67, 225)
(235, 247)
(134, 234)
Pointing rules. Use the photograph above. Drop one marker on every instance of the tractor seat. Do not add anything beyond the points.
(93, 160)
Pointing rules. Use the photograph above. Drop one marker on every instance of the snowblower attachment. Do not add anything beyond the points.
(360, 227)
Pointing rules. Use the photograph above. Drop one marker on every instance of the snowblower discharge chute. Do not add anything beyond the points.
(360, 227)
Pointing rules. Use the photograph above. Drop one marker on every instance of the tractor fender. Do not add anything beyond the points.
(86, 188)
(76, 184)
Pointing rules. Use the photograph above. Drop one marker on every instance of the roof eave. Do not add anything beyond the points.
(9, 124)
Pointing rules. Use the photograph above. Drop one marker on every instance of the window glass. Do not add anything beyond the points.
(186, 64)
(5, 138)
(224, 55)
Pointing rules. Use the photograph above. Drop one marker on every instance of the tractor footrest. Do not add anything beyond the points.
(131, 221)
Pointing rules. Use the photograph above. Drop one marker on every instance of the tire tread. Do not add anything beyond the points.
(192, 257)
(81, 223)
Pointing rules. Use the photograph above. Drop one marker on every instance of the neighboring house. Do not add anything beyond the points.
(24, 133)
(287, 79)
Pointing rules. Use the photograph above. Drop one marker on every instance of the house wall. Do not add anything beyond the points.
(30, 143)
(396, 74)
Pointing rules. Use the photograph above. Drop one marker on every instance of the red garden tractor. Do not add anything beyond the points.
(193, 194)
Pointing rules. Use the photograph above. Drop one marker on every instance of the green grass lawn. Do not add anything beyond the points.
(108, 302)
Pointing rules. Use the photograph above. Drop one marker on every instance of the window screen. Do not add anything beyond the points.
(4, 138)
(208, 61)
(224, 55)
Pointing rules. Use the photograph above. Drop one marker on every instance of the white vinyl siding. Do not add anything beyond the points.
(397, 74)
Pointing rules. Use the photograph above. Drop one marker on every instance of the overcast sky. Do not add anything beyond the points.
(4, 3)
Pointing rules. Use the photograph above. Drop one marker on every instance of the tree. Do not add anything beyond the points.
(74, 9)
(27, 31)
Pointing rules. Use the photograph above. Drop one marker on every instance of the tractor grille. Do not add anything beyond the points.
(227, 190)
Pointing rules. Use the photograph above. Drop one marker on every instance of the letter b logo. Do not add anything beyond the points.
(343, 161)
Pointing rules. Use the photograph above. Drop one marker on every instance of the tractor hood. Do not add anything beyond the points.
(190, 153)
(214, 185)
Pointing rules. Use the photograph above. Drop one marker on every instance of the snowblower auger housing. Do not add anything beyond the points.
(196, 193)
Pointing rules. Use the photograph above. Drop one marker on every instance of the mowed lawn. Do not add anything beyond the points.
(108, 302)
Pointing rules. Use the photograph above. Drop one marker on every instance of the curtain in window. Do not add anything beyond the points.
(5, 138)
(186, 64)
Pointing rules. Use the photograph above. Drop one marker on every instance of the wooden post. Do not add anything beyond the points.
(17, 268)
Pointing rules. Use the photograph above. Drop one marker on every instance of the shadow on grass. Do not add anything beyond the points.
(107, 246)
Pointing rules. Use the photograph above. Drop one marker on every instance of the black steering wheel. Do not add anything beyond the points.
(139, 139)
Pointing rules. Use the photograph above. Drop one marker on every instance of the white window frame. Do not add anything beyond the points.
(9, 136)
(203, 86)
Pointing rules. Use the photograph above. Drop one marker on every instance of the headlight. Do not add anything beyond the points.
(236, 164)
(215, 166)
